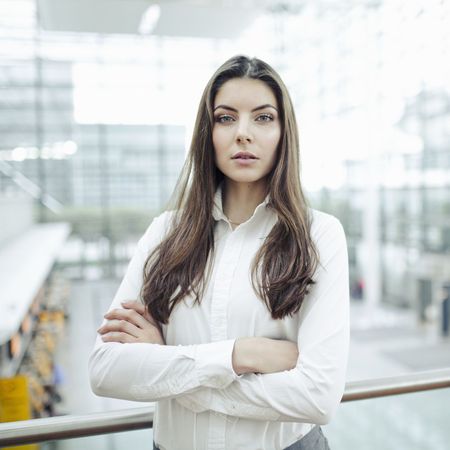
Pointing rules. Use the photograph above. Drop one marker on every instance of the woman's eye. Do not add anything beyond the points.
(264, 117)
(223, 119)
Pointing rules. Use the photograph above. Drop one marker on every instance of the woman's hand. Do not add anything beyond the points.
(130, 324)
(264, 355)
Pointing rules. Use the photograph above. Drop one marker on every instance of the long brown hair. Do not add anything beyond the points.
(283, 268)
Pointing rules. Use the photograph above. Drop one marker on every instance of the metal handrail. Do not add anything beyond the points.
(74, 426)
(395, 385)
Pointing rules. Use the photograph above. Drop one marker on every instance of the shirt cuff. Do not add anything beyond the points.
(214, 364)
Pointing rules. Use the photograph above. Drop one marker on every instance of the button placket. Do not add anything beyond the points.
(219, 305)
(223, 283)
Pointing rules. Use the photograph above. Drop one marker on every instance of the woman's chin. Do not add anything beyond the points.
(241, 178)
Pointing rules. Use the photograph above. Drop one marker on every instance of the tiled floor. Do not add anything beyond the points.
(384, 342)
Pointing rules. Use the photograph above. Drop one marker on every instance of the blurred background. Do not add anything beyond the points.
(97, 104)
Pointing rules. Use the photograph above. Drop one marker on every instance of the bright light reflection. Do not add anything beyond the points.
(133, 95)
(56, 150)
(149, 19)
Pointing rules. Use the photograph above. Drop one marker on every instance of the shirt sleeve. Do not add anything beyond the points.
(150, 372)
(313, 390)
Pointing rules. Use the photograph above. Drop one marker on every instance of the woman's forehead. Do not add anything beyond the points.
(245, 92)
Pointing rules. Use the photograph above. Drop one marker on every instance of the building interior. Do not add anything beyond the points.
(98, 101)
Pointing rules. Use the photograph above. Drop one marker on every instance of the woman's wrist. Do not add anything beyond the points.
(264, 355)
(246, 355)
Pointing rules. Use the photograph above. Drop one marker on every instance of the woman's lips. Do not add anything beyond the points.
(245, 161)
(244, 154)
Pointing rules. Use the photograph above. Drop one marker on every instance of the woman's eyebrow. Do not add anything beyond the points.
(230, 108)
(267, 105)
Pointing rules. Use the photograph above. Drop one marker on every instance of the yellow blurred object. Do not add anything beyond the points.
(15, 404)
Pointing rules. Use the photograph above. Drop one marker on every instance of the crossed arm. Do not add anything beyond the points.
(133, 324)
(254, 377)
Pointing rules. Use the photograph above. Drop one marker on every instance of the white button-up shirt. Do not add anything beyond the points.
(202, 404)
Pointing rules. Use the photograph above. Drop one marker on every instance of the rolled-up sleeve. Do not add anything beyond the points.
(313, 390)
(150, 372)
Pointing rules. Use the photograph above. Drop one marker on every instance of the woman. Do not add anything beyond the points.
(234, 312)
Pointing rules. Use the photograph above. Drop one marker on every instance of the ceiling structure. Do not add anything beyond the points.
(212, 19)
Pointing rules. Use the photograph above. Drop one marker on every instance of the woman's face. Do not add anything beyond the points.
(246, 130)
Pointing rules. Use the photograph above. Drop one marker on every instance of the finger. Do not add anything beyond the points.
(121, 326)
(134, 304)
(129, 315)
(140, 308)
(117, 336)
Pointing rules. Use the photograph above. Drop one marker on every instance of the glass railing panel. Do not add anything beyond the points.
(137, 439)
(418, 421)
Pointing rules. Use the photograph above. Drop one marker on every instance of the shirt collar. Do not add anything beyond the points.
(218, 213)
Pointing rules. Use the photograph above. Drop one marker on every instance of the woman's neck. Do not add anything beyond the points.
(239, 200)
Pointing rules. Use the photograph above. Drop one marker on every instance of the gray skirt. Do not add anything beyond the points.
(314, 440)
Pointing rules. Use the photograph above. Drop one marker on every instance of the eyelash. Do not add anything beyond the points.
(218, 119)
(266, 116)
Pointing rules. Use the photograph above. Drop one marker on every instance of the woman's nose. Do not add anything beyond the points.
(242, 138)
(243, 134)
